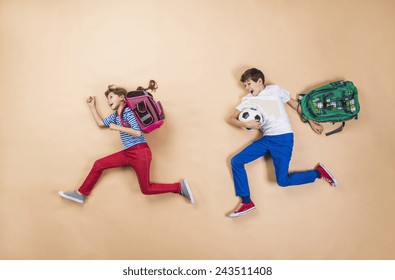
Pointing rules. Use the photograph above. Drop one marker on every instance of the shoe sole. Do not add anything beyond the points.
(62, 194)
(330, 174)
(191, 198)
(242, 213)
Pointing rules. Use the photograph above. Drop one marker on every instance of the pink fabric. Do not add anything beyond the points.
(152, 127)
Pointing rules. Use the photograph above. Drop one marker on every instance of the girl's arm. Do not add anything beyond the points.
(316, 127)
(233, 120)
(127, 130)
(92, 106)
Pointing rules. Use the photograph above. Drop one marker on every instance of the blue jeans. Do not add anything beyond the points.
(280, 147)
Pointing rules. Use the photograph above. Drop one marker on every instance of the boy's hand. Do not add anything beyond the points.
(316, 127)
(253, 125)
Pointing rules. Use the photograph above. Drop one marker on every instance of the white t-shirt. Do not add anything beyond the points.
(270, 103)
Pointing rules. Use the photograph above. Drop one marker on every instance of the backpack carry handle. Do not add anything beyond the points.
(337, 130)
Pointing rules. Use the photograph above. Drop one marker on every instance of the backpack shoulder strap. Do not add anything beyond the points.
(302, 115)
(124, 124)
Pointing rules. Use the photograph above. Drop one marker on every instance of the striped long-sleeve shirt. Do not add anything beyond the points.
(127, 139)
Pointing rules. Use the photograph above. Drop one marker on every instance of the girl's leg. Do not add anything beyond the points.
(115, 160)
(281, 150)
(140, 159)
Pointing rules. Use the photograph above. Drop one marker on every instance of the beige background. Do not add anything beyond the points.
(56, 53)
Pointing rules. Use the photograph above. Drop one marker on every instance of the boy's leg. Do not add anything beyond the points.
(140, 159)
(281, 151)
(115, 160)
(253, 151)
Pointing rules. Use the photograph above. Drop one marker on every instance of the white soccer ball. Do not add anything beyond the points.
(250, 114)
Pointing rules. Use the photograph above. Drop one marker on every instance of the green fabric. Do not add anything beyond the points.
(334, 102)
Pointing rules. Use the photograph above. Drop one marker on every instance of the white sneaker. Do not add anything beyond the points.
(74, 196)
(186, 191)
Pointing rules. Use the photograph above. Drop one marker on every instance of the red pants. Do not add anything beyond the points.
(139, 158)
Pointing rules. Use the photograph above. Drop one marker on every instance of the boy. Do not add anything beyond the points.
(277, 138)
(136, 153)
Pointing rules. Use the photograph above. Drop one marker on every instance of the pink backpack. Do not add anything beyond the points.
(148, 112)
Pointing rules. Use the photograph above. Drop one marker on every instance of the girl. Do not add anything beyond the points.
(136, 152)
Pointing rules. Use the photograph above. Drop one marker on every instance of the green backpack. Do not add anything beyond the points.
(334, 102)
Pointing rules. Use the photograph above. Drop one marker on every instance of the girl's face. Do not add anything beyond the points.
(114, 101)
(254, 87)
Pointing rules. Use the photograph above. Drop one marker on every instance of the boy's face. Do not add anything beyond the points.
(114, 101)
(254, 87)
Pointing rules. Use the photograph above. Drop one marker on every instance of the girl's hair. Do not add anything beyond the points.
(253, 74)
(116, 90)
(153, 86)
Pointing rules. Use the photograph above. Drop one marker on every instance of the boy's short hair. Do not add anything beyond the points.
(253, 74)
(116, 90)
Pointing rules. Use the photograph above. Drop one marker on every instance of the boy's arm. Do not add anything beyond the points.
(92, 106)
(127, 130)
(233, 120)
(294, 104)
(316, 127)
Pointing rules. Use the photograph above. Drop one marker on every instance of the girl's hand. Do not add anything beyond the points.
(127, 130)
(253, 125)
(91, 101)
(113, 126)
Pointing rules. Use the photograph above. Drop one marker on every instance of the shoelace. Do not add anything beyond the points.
(327, 178)
(241, 206)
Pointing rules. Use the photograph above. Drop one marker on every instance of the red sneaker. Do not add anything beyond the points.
(243, 209)
(325, 174)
